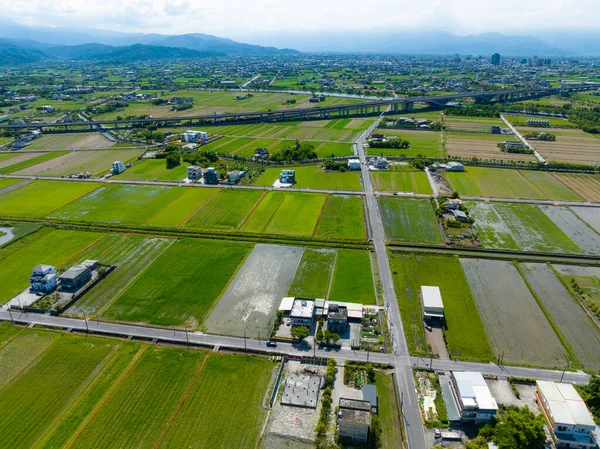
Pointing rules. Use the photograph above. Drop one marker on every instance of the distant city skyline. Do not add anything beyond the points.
(258, 20)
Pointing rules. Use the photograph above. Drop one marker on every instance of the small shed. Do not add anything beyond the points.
(370, 395)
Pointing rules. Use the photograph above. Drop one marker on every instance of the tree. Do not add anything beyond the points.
(591, 393)
(173, 160)
(518, 428)
(299, 332)
(454, 195)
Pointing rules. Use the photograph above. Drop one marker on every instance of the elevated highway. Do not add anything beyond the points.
(367, 108)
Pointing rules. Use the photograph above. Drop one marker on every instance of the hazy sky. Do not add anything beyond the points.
(236, 18)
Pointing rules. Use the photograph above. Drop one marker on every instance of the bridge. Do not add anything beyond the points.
(405, 104)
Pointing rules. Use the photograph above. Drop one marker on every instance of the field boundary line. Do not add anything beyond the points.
(331, 273)
(131, 280)
(320, 215)
(549, 318)
(175, 413)
(76, 397)
(253, 209)
(68, 261)
(218, 298)
(109, 394)
(9, 341)
(552, 175)
(160, 210)
(195, 210)
(32, 363)
(532, 184)
(586, 223)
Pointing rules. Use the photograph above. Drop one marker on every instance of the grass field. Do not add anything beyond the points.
(314, 274)
(313, 177)
(401, 181)
(42, 197)
(342, 216)
(31, 162)
(507, 183)
(515, 324)
(353, 278)
(226, 210)
(409, 220)
(83, 392)
(178, 210)
(465, 334)
(519, 226)
(47, 246)
(423, 143)
(181, 285)
(118, 203)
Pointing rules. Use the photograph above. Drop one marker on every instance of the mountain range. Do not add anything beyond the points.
(21, 44)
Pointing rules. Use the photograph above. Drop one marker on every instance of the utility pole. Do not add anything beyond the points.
(245, 347)
(87, 328)
(187, 338)
(10, 313)
(431, 360)
(367, 354)
(563, 373)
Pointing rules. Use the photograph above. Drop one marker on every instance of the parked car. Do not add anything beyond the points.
(428, 327)
(288, 322)
(437, 433)
(271, 343)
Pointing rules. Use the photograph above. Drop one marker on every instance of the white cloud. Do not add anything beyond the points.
(243, 17)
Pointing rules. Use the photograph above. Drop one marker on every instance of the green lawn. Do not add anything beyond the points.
(409, 220)
(181, 285)
(313, 177)
(313, 276)
(118, 203)
(424, 143)
(41, 198)
(353, 278)
(178, 210)
(226, 210)
(342, 217)
(47, 246)
(463, 327)
(401, 181)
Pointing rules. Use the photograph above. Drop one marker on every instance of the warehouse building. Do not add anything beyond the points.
(431, 300)
(570, 422)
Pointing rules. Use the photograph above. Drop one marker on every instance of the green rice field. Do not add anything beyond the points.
(401, 181)
(409, 220)
(313, 276)
(180, 209)
(180, 287)
(463, 327)
(342, 216)
(313, 177)
(353, 278)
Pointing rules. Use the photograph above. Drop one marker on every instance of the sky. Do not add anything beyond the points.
(255, 19)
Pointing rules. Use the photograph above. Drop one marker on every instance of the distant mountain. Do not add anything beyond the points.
(79, 36)
(418, 42)
(14, 52)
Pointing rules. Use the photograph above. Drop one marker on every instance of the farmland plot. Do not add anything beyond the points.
(181, 285)
(425, 143)
(42, 197)
(390, 181)
(7, 159)
(226, 210)
(590, 215)
(178, 210)
(313, 177)
(483, 146)
(580, 333)
(572, 146)
(213, 417)
(138, 410)
(343, 217)
(131, 257)
(42, 392)
(251, 300)
(353, 278)
(313, 276)
(527, 225)
(584, 236)
(23, 163)
(585, 185)
(409, 220)
(504, 183)
(515, 324)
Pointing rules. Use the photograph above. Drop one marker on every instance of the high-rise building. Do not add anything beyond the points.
(496, 59)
